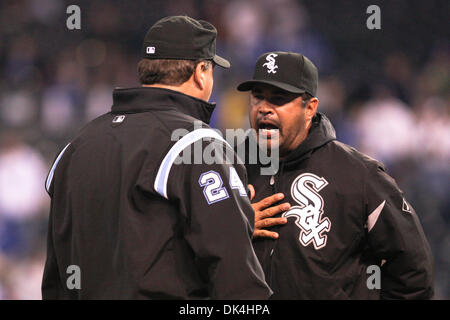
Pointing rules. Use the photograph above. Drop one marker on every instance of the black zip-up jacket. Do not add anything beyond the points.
(138, 224)
(347, 216)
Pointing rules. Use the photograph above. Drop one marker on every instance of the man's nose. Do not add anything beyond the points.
(265, 108)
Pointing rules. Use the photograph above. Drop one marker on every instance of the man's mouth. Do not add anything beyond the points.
(268, 130)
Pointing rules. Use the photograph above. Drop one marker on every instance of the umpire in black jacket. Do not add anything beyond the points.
(131, 219)
(349, 232)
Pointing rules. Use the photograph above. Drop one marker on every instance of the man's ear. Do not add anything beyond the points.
(200, 75)
(311, 108)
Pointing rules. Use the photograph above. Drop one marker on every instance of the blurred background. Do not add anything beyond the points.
(386, 91)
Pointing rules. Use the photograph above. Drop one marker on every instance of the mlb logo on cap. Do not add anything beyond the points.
(150, 50)
(118, 119)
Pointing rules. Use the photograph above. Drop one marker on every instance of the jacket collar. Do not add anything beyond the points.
(142, 99)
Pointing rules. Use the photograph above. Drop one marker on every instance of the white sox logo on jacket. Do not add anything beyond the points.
(308, 214)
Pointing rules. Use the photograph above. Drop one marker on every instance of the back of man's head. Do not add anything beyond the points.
(167, 71)
(172, 49)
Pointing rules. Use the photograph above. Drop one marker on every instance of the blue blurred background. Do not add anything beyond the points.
(386, 91)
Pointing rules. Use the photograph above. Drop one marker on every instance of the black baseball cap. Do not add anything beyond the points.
(182, 38)
(289, 71)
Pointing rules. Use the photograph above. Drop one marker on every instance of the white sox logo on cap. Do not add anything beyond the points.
(270, 64)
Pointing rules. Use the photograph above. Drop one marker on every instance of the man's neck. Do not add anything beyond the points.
(184, 88)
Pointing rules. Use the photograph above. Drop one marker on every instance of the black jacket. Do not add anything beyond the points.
(137, 224)
(347, 214)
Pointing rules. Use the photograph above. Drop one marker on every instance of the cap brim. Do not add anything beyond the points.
(221, 62)
(248, 85)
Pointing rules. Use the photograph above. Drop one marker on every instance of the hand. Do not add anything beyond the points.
(263, 212)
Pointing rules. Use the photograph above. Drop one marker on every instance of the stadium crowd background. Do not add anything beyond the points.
(386, 91)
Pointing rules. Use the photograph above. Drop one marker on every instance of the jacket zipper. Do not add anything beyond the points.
(272, 250)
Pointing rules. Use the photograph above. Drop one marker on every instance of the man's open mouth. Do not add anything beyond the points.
(268, 129)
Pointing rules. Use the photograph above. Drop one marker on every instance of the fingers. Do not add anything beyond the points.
(265, 223)
(270, 222)
(252, 191)
(267, 202)
(269, 212)
(265, 234)
(264, 210)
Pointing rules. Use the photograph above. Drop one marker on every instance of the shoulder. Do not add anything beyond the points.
(344, 153)
(374, 172)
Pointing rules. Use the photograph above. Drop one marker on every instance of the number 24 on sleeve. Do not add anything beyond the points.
(213, 188)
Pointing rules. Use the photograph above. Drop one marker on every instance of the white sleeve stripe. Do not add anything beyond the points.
(373, 217)
(164, 169)
(52, 171)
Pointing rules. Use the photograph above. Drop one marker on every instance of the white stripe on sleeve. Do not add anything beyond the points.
(373, 217)
(52, 171)
(164, 169)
